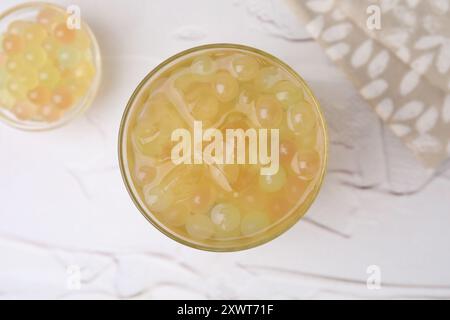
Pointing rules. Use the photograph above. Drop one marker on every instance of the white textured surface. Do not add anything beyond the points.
(63, 202)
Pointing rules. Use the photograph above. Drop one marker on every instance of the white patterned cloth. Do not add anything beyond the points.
(401, 68)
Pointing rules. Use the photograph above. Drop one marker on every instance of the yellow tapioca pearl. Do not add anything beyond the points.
(51, 46)
(301, 118)
(248, 95)
(50, 113)
(254, 222)
(16, 87)
(225, 86)
(35, 56)
(78, 87)
(267, 77)
(226, 217)
(273, 183)
(49, 76)
(63, 34)
(28, 77)
(244, 68)
(287, 93)
(62, 98)
(158, 199)
(40, 95)
(84, 70)
(69, 57)
(34, 34)
(202, 199)
(49, 17)
(205, 107)
(176, 215)
(306, 164)
(199, 226)
(18, 27)
(269, 111)
(15, 65)
(13, 44)
(203, 66)
(24, 110)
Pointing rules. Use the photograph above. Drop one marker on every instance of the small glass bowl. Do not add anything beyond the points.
(29, 12)
(127, 162)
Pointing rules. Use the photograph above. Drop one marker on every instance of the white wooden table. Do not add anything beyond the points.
(65, 215)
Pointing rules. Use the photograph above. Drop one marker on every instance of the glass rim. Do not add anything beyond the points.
(90, 95)
(298, 215)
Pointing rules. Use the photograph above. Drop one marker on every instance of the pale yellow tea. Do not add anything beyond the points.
(223, 147)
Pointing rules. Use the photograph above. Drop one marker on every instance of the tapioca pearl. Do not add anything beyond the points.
(202, 199)
(51, 47)
(248, 96)
(273, 183)
(226, 217)
(158, 199)
(267, 77)
(205, 108)
(244, 68)
(49, 76)
(254, 222)
(13, 44)
(225, 87)
(175, 216)
(308, 141)
(68, 57)
(35, 56)
(306, 164)
(35, 34)
(40, 95)
(199, 226)
(203, 66)
(29, 77)
(269, 111)
(301, 118)
(24, 110)
(62, 98)
(64, 34)
(287, 93)
(185, 81)
(50, 113)
(84, 70)
(78, 87)
(49, 17)
(16, 87)
(15, 65)
(288, 149)
(18, 27)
